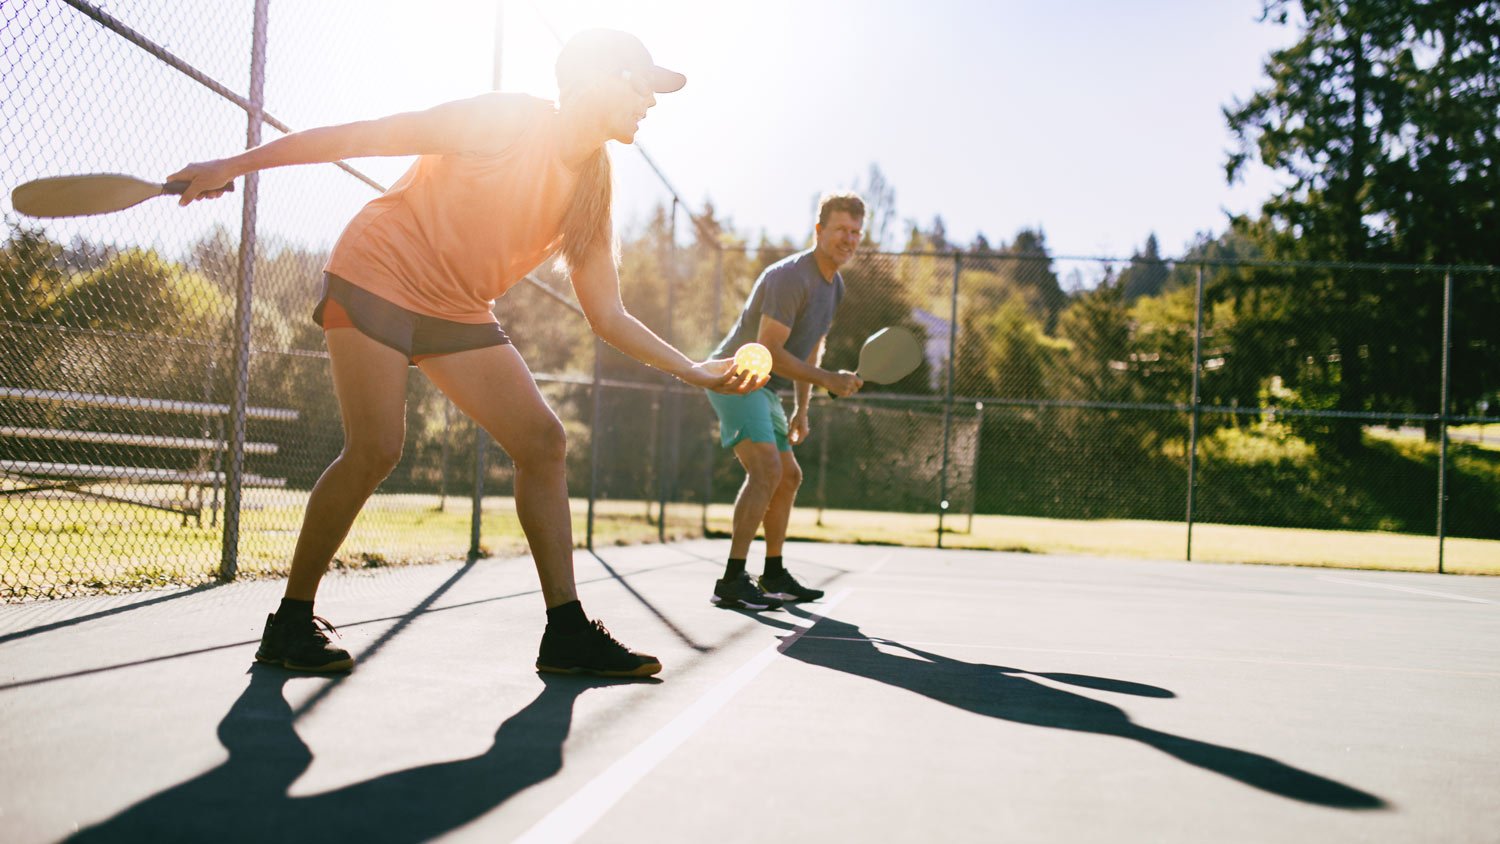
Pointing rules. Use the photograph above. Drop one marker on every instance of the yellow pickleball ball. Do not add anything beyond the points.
(753, 358)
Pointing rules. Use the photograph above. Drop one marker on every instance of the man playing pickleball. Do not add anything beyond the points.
(789, 311)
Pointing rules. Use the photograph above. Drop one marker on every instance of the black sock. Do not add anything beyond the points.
(735, 569)
(293, 609)
(567, 617)
(774, 566)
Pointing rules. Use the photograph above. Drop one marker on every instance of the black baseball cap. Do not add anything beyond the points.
(593, 53)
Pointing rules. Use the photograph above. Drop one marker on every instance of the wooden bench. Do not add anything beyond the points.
(32, 476)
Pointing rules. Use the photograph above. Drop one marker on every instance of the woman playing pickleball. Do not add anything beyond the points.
(503, 182)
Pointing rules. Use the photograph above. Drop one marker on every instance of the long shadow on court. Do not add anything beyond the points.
(94, 616)
(1009, 693)
(246, 797)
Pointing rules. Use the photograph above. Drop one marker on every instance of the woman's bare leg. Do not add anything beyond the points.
(494, 387)
(369, 380)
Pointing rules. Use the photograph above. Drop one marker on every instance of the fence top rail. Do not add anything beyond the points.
(993, 402)
(137, 403)
(673, 386)
(1184, 261)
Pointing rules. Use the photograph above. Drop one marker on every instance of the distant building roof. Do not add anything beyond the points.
(935, 350)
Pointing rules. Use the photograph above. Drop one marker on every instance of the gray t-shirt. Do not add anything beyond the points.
(792, 292)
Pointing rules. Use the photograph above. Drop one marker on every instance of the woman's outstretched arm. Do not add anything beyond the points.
(485, 123)
(597, 283)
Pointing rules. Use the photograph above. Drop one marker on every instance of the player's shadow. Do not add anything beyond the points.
(1011, 694)
(246, 797)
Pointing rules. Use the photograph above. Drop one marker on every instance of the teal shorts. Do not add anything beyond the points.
(757, 417)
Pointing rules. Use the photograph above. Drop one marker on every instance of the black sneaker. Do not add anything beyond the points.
(739, 593)
(782, 585)
(592, 651)
(301, 646)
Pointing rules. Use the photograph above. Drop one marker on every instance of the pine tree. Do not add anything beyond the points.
(1147, 274)
(31, 279)
(1030, 267)
(1381, 118)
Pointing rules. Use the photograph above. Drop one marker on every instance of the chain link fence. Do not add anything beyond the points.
(1180, 408)
(165, 401)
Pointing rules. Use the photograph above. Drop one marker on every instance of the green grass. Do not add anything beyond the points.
(56, 547)
(59, 547)
(1144, 539)
(1486, 437)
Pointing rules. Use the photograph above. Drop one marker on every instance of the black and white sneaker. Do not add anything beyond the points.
(782, 585)
(739, 593)
(302, 645)
(591, 650)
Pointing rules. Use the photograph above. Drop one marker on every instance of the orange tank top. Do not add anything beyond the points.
(457, 231)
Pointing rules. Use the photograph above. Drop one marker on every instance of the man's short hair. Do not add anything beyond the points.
(848, 202)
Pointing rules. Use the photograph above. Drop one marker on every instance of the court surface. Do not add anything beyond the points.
(931, 696)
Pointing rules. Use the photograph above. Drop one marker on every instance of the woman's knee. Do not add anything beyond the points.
(545, 446)
(373, 458)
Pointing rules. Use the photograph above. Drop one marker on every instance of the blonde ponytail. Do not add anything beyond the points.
(586, 224)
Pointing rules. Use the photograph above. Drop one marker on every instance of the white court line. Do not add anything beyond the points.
(1409, 589)
(1178, 657)
(880, 565)
(574, 816)
(926, 593)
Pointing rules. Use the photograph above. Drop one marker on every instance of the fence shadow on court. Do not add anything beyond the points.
(106, 613)
(246, 797)
(1009, 693)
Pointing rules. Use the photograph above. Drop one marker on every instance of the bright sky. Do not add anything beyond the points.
(1098, 121)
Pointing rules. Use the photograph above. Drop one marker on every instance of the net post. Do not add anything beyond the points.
(948, 394)
(974, 470)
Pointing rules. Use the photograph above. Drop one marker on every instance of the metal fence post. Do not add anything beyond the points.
(948, 397)
(708, 462)
(651, 471)
(826, 434)
(239, 397)
(1192, 478)
(666, 455)
(213, 430)
(596, 394)
(476, 517)
(1442, 496)
(443, 463)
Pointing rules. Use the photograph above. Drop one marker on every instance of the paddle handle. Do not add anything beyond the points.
(833, 395)
(179, 188)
